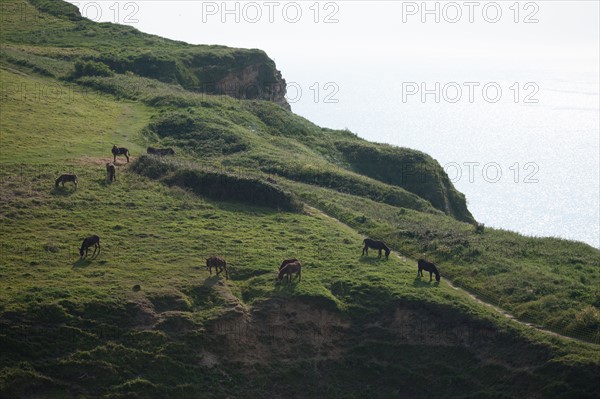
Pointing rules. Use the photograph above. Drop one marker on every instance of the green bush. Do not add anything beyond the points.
(227, 187)
(586, 324)
(60, 9)
(202, 133)
(90, 68)
(479, 228)
(151, 167)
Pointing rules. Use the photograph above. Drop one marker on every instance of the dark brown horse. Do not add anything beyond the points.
(289, 269)
(160, 151)
(65, 179)
(428, 267)
(374, 244)
(111, 172)
(218, 263)
(89, 242)
(120, 151)
(288, 261)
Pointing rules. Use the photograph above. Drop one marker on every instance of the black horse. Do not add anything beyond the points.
(289, 269)
(428, 267)
(374, 244)
(89, 242)
(219, 264)
(65, 179)
(160, 151)
(111, 172)
(288, 261)
(120, 151)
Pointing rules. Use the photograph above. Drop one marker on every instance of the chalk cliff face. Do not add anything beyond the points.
(255, 82)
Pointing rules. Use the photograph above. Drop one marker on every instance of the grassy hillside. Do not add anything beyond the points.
(58, 27)
(123, 61)
(145, 319)
(545, 281)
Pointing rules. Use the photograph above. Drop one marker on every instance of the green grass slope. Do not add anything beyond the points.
(123, 61)
(145, 319)
(58, 27)
(546, 281)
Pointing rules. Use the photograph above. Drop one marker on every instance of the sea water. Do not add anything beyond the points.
(527, 161)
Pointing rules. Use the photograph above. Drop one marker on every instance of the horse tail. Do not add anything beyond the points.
(56, 182)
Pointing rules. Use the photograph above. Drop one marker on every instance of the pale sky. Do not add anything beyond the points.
(363, 41)
(346, 30)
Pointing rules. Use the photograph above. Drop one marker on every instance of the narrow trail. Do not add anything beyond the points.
(508, 315)
(500, 311)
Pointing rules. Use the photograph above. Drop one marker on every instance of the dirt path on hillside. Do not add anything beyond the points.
(508, 315)
(501, 311)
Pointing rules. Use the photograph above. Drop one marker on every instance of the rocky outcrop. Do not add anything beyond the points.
(236, 72)
(255, 82)
(243, 74)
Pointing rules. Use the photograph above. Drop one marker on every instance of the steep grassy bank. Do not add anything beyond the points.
(56, 25)
(218, 184)
(68, 121)
(145, 319)
(546, 281)
(173, 76)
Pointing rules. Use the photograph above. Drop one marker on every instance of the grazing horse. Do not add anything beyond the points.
(289, 269)
(287, 261)
(428, 267)
(120, 151)
(271, 180)
(65, 179)
(374, 244)
(160, 151)
(218, 263)
(89, 242)
(111, 172)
